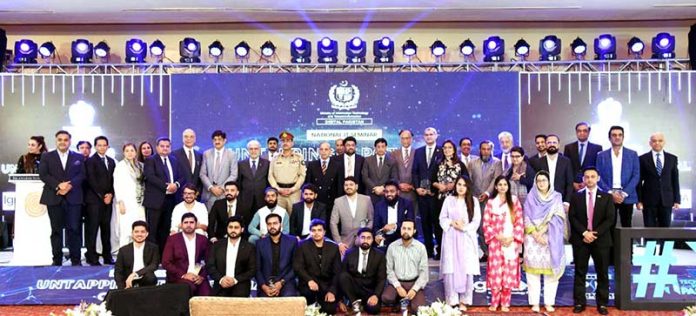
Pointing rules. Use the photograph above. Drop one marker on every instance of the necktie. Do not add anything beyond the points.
(582, 154)
(506, 164)
(381, 161)
(323, 167)
(229, 210)
(364, 262)
(350, 167)
(166, 170)
(190, 159)
(216, 162)
(253, 167)
(106, 163)
(658, 165)
(406, 157)
(590, 209)
(430, 155)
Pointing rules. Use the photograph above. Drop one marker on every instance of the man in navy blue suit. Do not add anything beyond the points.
(425, 160)
(658, 190)
(582, 153)
(390, 212)
(162, 181)
(190, 160)
(275, 276)
(62, 172)
(99, 194)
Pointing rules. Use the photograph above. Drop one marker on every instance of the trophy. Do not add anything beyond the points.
(425, 184)
(271, 282)
(364, 222)
(404, 306)
(356, 306)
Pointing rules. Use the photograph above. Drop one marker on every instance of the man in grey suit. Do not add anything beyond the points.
(219, 167)
(483, 172)
(352, 211)
(465, 155)
(377, 170)
(253, 178)
(404, 166)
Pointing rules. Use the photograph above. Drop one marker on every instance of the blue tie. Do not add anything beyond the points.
(658, 164)
(582, 154)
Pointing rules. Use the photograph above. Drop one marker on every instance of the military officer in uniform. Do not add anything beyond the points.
(287, 173)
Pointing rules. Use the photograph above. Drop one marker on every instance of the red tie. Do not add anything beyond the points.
(590, 210)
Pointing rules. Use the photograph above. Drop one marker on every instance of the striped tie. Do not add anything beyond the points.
(323, 167)
(658, 165)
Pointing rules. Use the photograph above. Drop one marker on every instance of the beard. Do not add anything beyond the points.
(309, 201)
(365, 246)
(233, 235)
(271, 205)
(406, 236)
(274, 232)
(552, 150)
(229, 197)
(391, 202)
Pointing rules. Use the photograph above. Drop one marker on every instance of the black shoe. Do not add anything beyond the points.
(56, 263)
(77, 264)
(109, 261)
(578, 309)
(484, 258)
(436, 257)
(602, 310)
(94, 263)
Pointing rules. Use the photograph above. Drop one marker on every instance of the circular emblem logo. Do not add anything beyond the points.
(33, 206)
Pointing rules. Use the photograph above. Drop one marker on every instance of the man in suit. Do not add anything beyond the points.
(231, 262)
(84, 148)
(162, 181)
(275, 276)
(190, 159)
(506, 141)
(98, 197)
(271, 149)
(317, 264)
(305, 211)
(377, 170)
(540, 144)
(390, 212)
(619, 171)
(465, 155)
(253, 178)
(323, 174)
(363, 274)
(559, 169)
(426, 159)
(287, 173)
(404, 166)
(223, 210)
(137, 261)
(349, 164)
(581, 153)
(352, 211)
(591, 216)
(177, 251)
(658, 189)
(219, 167)
(483, 172)
(62, 172)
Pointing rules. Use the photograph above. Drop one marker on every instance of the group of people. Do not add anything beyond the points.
(343, 226)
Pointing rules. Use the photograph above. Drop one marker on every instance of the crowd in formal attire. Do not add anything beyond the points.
(350, 228)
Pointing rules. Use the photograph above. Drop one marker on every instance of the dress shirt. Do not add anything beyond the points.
(361, 257)
(552, 160)
(405, 152)
(392, 216)
(191, 252)
(616, 168)
(252, 161)
(662, 157)
(138, 261)
(465, 159)
(306, 220)
(232, 250)
(353, 204)
(198, 209)
(264, 211)
(63, 158)
(407, 263)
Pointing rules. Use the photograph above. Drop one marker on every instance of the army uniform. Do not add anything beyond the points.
(287, 173)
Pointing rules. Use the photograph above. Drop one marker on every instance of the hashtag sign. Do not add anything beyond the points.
(662, 278)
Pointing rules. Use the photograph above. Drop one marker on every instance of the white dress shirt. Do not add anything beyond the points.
(552, 161)
(232, 250)
(191, 252)
(306, 220)
(198, 209)
(361, 258)
(138, 260)
(616, 168)
(63, 158)
(353, 204)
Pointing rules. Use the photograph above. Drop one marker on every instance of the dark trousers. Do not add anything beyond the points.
(600, 256)
(318, 297)
(390, 296)
(98, 217)
(357, 288)
(149, 279)
(657, 216)
(159, 221)
(626, 213)
(65, 216)
(238, 290)
(429, 221)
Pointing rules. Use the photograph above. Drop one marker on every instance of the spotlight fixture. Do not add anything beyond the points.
(136, 50)
(268, 49)
(356, 50)
(605, 47)
(579, 48)
(635, 47)
(215, 50)
(522, 49)
(81, 51)
(466, 48)
(47, 50)
(301, 51)
(383, 50)
(26, 52)
(550, 48)
(157, 50)
(663, 46)
(493, 49)
(438, 49)
(190, 50)
(241, 50)
(327, 50)
(409, 48)
(102, 50)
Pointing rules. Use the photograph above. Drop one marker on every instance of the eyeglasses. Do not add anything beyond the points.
(515, 157)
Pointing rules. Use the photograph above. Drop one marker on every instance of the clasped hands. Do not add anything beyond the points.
(195, 278)
(64, 188)
(506, 241)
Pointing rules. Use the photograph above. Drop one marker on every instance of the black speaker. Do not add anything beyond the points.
(3, 49)
(692, 47)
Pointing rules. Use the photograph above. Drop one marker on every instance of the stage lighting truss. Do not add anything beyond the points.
(190, 50)
(383, 50)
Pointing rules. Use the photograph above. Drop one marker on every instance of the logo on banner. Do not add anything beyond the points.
(344, 120)
(343, 96)
(662, 278)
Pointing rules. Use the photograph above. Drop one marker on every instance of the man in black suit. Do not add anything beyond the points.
(305, 211)
(540, 144)
(658, 189)
(390, 212)
(252, 179)
(162, 180)
(224, 209)
(581, 153)
(425, 160)
(591, 216)
(190, 160)
(323, 174)
(317, 265)
(562, 174)
(137, 262)
(232, 279)
(364, 273)
(62, 172)
(349, 164)
(98, 197)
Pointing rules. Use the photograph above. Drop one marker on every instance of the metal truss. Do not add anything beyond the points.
(565, 66)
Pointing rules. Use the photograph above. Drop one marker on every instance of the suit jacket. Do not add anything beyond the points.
(327, 184)
(572, 151)
(483, 181)
(357, 172)
(51, 173)
(421, 171)
(662, 190)
(266, 155)
(100, 181)
(252, 186)
(342, 215)
(125, 260)
(404, 210)
(472, 157)
(376, 274)
(373, 176)
(175, 256)
(156, 180)
(403, 170)
(264, 259)
(227, 171)
(185, 167)
(298, 214)
(535, 162)
(217, 218)
(244, 266)
(324, 273)
(630, 173)
(602, 220)
(563, 177)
